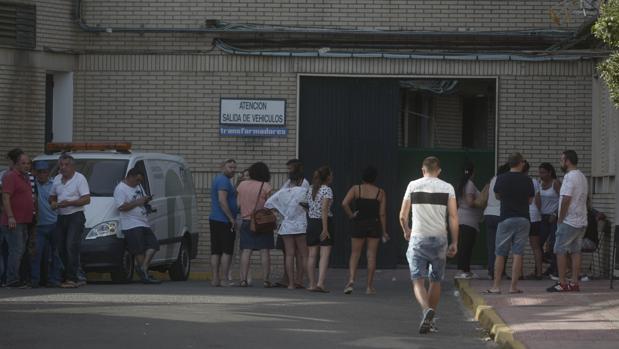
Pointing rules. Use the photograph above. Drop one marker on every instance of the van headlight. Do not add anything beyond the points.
(103, 229)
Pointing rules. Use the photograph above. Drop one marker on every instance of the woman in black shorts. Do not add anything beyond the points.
(319, 228)
(368, 224)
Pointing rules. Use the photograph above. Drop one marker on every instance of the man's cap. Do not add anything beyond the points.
(41, 165)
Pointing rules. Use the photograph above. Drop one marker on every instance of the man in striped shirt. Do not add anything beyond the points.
(432, 201)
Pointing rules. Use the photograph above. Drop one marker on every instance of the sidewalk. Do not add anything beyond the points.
(539, 319)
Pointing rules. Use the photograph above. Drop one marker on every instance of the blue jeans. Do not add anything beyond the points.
(45, 247)
(16, 244)
(68, 240)
(512, 233)
(427, 257)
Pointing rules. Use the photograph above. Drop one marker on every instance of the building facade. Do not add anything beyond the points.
(362, 81)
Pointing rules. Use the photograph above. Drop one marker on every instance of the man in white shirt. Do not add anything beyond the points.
(431, 200)
(69, 194)
(571, 223)
(130, 199)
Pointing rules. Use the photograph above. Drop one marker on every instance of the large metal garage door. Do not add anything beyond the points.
(349, 123)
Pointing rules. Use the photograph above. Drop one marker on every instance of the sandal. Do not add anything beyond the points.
(279, 284)
(515, 291)
(348, 289)
(299, 286)
(491, 291)
(243, 283)
(319, 290)
(370, 291)
(267, 284)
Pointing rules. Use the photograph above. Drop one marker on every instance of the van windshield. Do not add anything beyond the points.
(102, 174)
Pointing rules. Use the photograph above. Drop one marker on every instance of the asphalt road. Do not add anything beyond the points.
(195, 315)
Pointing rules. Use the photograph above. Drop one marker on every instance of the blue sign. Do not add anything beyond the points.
(253, 131)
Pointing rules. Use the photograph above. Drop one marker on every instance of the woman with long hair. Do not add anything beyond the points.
(469, 215)
(369, 225)
(288, 202)
(252, 194)
(319, 227)
(548, 202)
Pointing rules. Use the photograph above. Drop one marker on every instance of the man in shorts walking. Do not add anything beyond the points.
(515, 191)
(130, 199)
(431, 200)
(572, 222)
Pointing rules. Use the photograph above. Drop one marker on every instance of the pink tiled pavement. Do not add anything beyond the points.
(539, 319)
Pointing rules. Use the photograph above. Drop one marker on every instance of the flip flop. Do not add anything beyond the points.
(515, 291)
(491, 291)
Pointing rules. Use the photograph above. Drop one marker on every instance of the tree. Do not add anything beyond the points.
(606, 28)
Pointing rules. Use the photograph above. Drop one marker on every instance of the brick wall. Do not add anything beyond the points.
(455, 15)
(22, 109)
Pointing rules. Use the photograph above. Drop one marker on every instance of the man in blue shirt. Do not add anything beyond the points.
(46, 224)
(221, 221)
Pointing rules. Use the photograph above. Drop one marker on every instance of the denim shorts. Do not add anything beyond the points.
(568, 239)
(512, 233)
(426, 257)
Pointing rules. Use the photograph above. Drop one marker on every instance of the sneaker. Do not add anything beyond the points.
(553, 277)
(428, 317)
(585, 278)
(558, 287)
(463, 275)
(433, 328)
(151, 280)
(16, 283)
(69, 284)
(81, 283)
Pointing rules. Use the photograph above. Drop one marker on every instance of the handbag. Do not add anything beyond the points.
(263, 221)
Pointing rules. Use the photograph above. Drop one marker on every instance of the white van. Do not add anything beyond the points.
(173, 217)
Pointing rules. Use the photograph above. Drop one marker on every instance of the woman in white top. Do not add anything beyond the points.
(535, 218)
(548, 202)
(469, 215)
(492, 217)
(288, 202)
(319, 228)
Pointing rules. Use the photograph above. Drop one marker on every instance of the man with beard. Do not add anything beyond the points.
(221, 221)
(571, 223)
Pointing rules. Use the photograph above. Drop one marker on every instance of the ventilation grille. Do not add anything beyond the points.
(17, 25)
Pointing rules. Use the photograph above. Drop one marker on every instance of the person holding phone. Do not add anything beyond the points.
(141, 242)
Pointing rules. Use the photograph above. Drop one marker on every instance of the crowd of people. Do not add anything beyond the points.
(549, 214)
(306, 227)
(42, 223)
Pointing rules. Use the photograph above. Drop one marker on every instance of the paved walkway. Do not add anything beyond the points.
(539, 319)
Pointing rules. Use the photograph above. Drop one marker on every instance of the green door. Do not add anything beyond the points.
(409, 165)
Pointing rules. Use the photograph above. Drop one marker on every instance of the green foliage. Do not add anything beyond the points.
(606, 28)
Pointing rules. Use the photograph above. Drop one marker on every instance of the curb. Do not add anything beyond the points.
(487, 317)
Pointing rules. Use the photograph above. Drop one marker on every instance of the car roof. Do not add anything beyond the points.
(113, 155)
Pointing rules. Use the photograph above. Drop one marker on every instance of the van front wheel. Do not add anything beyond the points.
(125, 272)
(179, 270)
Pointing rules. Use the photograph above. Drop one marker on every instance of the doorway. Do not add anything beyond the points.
(393, 123)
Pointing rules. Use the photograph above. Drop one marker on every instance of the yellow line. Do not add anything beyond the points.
(487, 316)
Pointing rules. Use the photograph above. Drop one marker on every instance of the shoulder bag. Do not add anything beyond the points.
(263, 221)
